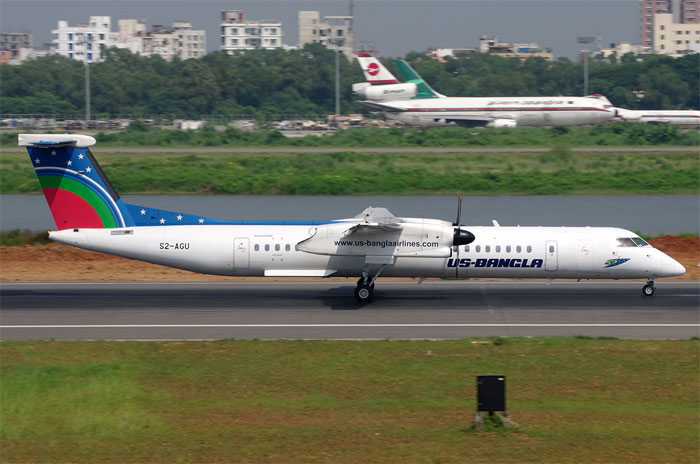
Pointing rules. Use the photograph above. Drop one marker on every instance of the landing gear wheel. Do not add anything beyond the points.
(363, 293)
(648, 290)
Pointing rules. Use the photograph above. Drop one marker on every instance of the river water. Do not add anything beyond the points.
(650, 214)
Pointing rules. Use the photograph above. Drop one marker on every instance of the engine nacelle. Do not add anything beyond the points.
(385, 92)
(502, 123)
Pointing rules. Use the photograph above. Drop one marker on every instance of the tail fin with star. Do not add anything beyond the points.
(80, 195)
(77, 191)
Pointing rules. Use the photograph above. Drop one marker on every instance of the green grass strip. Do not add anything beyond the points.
(574, 400)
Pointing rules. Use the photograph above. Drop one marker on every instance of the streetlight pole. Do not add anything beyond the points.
(587, 41)
(87, 91)
(337, 86)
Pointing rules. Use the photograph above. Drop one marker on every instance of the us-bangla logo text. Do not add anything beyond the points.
(495, 262)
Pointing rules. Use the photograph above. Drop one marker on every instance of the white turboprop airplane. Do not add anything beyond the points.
(90, 214)
(677, 117)
(415, 102)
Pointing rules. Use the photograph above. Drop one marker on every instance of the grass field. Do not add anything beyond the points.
(574, 400)
(558, 171)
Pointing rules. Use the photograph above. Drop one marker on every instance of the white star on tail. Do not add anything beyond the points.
(81, 156)
(143, 211)
(88, 169)
(179, 217)
(53, 152)
(37, 161)
(162, 221)
(69, 162)
(201, 221)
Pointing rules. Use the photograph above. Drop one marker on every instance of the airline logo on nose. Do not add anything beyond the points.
(615, 262)
(373, 69)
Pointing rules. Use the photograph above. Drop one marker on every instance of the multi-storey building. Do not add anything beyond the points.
(131, 34)
(238, 33)
(191, 43)
(84, 42)
(335, 32)
(676, 39)
(13, 42)
(682, 11)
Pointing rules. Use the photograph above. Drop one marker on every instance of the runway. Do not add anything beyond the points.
(327, 310)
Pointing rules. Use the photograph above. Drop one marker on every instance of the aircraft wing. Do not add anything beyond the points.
(374, 106)
(372, 227)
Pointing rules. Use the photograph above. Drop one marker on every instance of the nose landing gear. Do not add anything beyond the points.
(648, 289)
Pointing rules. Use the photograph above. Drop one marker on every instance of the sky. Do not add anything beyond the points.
(394, 26)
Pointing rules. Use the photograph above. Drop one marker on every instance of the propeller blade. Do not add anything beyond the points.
(459, 210)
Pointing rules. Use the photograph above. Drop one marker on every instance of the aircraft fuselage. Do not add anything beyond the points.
(504, 252)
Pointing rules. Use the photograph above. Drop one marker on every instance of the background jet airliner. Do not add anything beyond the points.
(414, 102)
(90, 214)
(678, 117)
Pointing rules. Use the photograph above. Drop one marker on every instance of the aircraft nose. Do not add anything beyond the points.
(670, 267)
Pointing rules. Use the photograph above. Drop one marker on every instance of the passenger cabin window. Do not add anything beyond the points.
(287, 247)
(267, 247)
(488, 248)
(551, 248)
(466, 247)
(257, 247)
(277, 247)
(529, 249)
(478, 248)
(508, 248)
(519, 249)
(498, 248)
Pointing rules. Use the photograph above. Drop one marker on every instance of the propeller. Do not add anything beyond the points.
(461, 236)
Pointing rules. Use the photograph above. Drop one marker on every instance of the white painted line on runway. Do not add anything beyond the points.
(263, 326)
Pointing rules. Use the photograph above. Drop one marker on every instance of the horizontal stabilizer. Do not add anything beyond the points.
(55, 140)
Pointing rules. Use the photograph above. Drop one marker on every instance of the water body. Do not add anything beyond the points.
(650, 214)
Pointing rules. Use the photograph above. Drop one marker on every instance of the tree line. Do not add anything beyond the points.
(302, 82)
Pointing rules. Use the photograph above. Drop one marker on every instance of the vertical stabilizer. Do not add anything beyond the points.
(77, 191)
(375, 72)
(410, 75)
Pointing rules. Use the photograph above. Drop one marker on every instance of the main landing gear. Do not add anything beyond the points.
(365, 286)
(648, 289)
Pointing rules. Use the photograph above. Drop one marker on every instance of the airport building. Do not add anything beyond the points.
(334, 32)
(238, 33)
(491, 44)
(675, 39)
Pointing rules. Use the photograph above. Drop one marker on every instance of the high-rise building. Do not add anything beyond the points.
(334, 32)
(682, 11)
(238, 33)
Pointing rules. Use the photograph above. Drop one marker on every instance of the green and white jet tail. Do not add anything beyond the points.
(411, 76)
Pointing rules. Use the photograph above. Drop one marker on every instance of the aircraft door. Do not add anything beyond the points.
(550, 256)
(241, 253)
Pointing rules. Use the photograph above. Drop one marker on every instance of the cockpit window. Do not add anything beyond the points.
(631, 242)
(639, 241)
